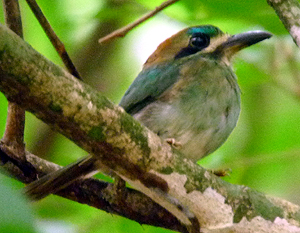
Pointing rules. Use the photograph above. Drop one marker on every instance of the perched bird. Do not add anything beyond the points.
(187, 90)
(187, 93)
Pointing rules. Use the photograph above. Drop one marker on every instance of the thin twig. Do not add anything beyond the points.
(56, 42)
(282, 52)
(14, 130)
(124, 30)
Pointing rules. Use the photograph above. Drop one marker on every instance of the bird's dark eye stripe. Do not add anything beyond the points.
(198, 41)
(186, 52)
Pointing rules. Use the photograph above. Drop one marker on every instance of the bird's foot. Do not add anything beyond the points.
(222, 172)
(174, 143)
(116, 193)
(119, 187)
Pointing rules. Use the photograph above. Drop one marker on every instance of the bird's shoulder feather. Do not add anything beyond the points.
(148, 86)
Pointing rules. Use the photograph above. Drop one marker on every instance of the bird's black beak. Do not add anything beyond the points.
(237, 42)
(246, 39)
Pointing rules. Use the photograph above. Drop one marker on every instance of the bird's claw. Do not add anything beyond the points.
(222, 172)
(174, 143)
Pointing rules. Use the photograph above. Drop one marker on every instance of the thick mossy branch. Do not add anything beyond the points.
(126, 147)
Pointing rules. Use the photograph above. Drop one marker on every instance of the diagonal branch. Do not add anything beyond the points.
(56, 42)
(124, 30)
(288, 12)
(130, 150)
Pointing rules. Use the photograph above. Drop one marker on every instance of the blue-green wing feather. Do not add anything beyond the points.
(148, 86)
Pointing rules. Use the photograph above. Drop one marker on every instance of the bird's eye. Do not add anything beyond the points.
(199, 41)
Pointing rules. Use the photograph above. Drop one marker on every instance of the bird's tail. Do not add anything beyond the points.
(57, 180)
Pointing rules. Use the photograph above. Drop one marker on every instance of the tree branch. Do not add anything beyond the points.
(124, 30)
(130, 150)
(15, 123)
(136, 206)
(288, 12)
(56, 42)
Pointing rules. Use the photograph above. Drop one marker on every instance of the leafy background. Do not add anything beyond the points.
(263, 152)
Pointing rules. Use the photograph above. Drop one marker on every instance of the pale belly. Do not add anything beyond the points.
(199, 111)
(199, 133)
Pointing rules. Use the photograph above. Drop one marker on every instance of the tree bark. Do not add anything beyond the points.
(288, 12)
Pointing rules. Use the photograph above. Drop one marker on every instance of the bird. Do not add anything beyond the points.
(187, 93)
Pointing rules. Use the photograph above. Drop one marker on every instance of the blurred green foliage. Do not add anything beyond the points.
(15, 213)
(263, 151)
